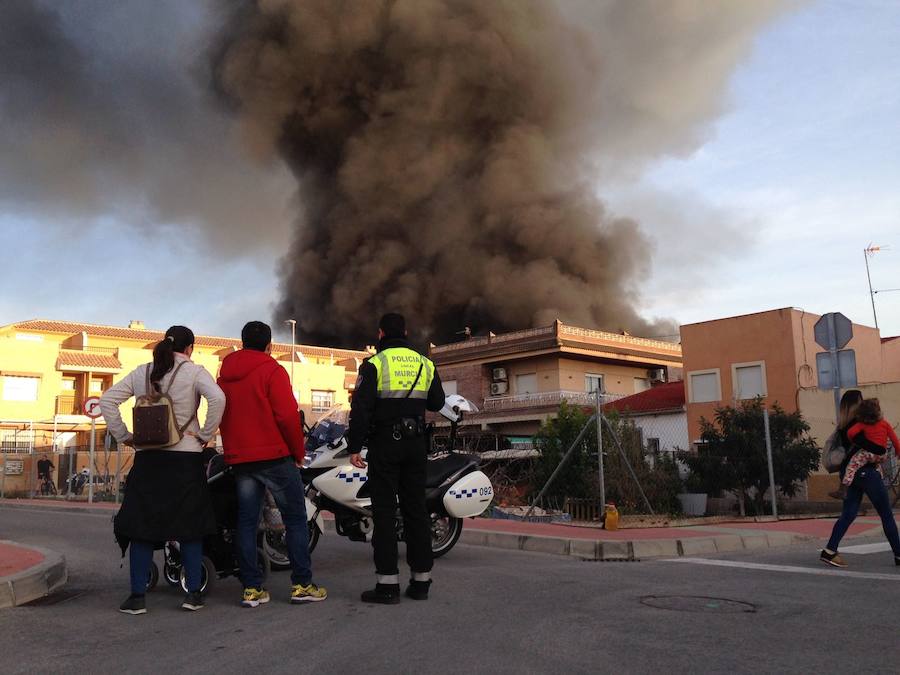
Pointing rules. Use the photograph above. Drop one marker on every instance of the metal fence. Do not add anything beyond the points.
(71, 475)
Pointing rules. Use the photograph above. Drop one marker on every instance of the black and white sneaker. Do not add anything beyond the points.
(192, 602)
(135, 604)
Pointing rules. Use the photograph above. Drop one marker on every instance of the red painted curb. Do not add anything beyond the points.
(17, 559)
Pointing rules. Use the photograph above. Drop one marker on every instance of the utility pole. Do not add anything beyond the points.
(870, 250)
(599, 414)
(293, 324)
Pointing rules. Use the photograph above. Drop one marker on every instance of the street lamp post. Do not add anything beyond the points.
(293, 325)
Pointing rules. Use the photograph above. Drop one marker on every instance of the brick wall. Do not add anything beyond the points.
(471, 381)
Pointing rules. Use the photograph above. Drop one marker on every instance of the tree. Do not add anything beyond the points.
(579, 478)
(732, 453)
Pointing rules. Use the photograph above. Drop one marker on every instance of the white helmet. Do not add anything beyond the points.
(455, 405)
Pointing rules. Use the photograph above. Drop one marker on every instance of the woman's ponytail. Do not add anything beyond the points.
(177, 339)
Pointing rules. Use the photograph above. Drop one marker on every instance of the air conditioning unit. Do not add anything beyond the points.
(657, 374)
(499, 388)
(499, 374)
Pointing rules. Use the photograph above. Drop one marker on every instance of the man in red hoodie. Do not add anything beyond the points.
(261, 434)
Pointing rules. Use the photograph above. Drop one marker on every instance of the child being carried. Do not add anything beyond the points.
(872, 427)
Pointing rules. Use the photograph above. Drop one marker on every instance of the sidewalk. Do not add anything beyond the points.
(634, 544)
(28, 573)
(591, 543)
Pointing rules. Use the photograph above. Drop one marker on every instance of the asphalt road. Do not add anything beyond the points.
(490, 611)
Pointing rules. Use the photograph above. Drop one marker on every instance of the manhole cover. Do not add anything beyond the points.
(697, 603)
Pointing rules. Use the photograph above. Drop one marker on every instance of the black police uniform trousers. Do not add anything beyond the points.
(397, 469)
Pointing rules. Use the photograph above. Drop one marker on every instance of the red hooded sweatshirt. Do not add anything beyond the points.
(261, 420)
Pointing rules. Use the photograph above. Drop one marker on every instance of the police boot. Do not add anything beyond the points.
(383, 594)
(418, 590)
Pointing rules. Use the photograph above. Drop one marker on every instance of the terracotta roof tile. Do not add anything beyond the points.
(143, 335)
(662, 397)
(79, 359)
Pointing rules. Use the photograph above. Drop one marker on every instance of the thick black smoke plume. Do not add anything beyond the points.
(448, 151)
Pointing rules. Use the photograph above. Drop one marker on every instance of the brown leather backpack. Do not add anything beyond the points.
(153, 422)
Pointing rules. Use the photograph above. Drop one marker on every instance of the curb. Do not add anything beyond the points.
(585, 549)
(87, 508)
(36, 582)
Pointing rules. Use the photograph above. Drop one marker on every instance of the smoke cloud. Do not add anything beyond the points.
(106, 112)
(443, 158)
(448, 152)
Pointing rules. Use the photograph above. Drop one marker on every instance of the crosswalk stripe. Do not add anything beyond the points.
(864, 549)
(823, 572)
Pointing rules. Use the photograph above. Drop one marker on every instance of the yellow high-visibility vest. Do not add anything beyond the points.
(397, 369)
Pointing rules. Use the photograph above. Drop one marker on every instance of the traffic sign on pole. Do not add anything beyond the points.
(91, 407)
(836, 368)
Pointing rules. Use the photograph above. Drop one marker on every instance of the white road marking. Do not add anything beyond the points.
(823, 571)
(864, 549)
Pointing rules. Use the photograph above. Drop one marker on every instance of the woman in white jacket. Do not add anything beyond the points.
(166, 496)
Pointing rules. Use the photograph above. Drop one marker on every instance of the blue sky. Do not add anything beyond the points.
(796, 178)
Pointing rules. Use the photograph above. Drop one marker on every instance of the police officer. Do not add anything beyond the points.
(395, 388)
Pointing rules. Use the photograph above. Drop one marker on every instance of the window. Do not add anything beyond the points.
(96, 386)
(641, 384)
(749, 380)
(703, 386)
(68, 384)
(449, 387)
(526, 384)
(322, 401)
(20, 388)
(593, 382)
(653, 446)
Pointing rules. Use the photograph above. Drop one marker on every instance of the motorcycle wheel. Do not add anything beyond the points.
(208, 575)
(445, 532)
(275, 549)
(313, 535)
(153, 579)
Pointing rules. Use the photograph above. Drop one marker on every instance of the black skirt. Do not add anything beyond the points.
(166, 498)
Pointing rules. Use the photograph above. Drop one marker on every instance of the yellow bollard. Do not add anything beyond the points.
(611, 521)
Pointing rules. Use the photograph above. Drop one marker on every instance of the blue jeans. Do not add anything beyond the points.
(140, 556)
(284, 482)
(867, 481)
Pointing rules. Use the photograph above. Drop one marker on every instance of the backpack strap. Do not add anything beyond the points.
(174, 373)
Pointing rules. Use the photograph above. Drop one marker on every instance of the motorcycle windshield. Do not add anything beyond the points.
(331, 427)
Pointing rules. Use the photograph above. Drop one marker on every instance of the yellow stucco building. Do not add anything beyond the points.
(49, 368)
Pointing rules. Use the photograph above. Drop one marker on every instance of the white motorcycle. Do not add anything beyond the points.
(455, 488)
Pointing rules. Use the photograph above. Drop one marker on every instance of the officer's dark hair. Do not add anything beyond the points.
(256, 335)
(393, 325)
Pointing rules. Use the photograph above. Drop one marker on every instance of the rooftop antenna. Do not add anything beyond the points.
(868, 251)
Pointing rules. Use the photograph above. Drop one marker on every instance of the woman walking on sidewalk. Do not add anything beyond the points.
(868, 481)
(166, 497)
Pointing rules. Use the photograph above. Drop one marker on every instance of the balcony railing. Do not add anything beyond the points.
(545, 399)
(68, 404)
